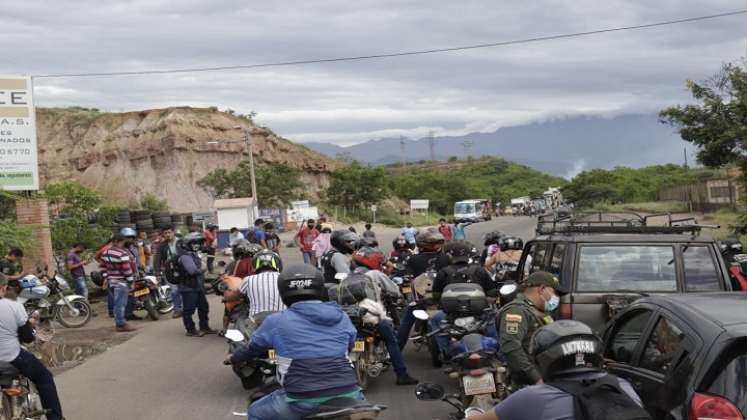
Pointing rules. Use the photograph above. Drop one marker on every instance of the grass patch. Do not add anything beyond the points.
(726, 219)
(647, 207)
(385, 215)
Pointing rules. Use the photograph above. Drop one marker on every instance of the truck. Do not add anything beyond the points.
(520, 206)
(475, 210)
(553, 197)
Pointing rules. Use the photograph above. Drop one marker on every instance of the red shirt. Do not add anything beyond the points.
(446, 231)
(209, 238)
(306, 237)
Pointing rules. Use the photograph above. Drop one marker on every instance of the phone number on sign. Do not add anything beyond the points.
(15, 152)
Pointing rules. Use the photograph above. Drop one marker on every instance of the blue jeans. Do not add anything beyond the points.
(276, 406)
(33, 369)
(386, 329)
(176, 297)
(81, 287)
(443, 340)
(194, 299)
(308, 256)
(405, 326)
(110, 304)
(120, 293)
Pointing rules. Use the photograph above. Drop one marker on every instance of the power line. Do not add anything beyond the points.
(394, 54)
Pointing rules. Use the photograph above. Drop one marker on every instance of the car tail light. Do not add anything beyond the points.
(712, 407)
(565, 311)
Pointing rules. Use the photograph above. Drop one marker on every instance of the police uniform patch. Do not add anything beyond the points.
(547, 319)
(512, 328)
(513, 318)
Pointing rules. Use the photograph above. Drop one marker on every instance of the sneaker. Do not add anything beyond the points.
(125, 328)
(406, 380)
(194, 334)
(176, 314)
(208, 330)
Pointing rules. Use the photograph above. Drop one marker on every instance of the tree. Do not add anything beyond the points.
(153, 203)
(717, 124)
(74, 207)
(357, 185)
(277, 184)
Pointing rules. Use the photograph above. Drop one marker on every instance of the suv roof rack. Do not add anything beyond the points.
(617, 222)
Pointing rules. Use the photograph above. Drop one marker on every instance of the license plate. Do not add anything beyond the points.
(141, 292)
(359, 347)
(474, 385)
(406, 290)
(272, 355)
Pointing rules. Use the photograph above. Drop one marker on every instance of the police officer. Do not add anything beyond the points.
(569, 358)
(518, 320)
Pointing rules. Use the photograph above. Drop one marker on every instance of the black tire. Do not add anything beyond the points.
(436, 360)
(252, 381)
(151, 308)
(82, 319)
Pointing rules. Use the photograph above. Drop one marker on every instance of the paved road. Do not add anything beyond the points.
(161, 374)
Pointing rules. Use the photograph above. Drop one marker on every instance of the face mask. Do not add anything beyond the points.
(552, 304)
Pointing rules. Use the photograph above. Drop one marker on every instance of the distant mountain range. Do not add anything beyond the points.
(560, 147)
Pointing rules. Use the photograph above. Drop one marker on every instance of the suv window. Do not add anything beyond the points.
(626, 337)
(662, 347)
(535, 260)
(626, 267)
(556, 262)
(731, 382)
(701, 273)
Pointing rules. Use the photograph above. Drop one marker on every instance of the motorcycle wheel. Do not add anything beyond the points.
(67, 319)
(361, 370)
(6, 409)
(151, 307)
(435, 353)
(165, 306)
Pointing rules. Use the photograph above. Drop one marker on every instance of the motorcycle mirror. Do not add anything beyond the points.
(507, 289)
(426, 391)
(235, 335)
(420, 314)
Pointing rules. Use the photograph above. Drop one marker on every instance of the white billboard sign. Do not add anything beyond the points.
(301, 204)
(419, 204)
(19, 169)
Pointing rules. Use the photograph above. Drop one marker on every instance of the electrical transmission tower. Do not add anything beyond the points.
(432, 145)
(467, 145)
(402, 149)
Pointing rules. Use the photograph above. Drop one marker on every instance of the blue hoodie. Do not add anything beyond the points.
(312, 340)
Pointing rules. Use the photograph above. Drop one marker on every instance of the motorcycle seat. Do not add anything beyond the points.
(341, 406)
(7, 373)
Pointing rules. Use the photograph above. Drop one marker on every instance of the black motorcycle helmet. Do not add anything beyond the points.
(301, 282)
(458, 252)
(400, 243)
(430, 240)
(564, 347)
(511, 242)
(192, 242)
(493, 238)
(267, 260)
(344, 241)
(244, 248)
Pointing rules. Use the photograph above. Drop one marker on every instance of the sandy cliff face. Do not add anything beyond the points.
(160, 151)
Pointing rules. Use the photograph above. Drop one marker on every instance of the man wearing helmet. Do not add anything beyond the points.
(261, 289)
(569, 358)
(339, 258)
(130, 244)
(243, 259)
(517, 321)
(312, 350)
(192, 285)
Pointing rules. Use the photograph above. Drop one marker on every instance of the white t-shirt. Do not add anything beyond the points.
(262, 291)
(233, 238)
(12, 317)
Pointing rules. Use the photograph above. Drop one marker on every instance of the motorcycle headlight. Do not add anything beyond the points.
(464, 322)
(398, 280)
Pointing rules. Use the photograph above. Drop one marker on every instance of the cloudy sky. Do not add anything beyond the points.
(449, 93)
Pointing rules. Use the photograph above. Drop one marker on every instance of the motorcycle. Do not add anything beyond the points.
(257, 373)
(425, 391)
(369, 356)
(162, 296)
(71, 311)
(736, 261)
(20, 399)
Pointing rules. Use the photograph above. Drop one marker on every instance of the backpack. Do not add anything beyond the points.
(601, 399)
(171, 267)
(327, 269)
(251, 236)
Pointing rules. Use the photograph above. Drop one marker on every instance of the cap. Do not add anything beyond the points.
(543, 278)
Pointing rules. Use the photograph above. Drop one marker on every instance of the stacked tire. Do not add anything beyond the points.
(143, 220)
(161, 219)
(178, 221)
(122, 219)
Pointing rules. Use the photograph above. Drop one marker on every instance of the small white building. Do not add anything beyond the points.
(234, 213)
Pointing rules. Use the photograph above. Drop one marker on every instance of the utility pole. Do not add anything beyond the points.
(467, 144)
(685, 150)
(432, 145)
(250, 147)
(402, 149)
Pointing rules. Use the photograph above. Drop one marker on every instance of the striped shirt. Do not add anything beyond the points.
(262, 291)
(118, 265)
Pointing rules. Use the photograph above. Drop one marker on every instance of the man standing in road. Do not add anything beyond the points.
(305, 241)
(119, 275)
(163, 265)
(192, 285)
(272, 240)
(518, 321)
(15, 326)
(76, 267)
(410, 233)
(211, 243)
(368, 233)
(257, 236)
(234, 236)
(446, 230)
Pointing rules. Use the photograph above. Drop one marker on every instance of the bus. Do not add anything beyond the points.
(477, 210)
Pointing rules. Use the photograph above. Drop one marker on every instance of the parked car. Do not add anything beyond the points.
(605, 262)
(685, 354)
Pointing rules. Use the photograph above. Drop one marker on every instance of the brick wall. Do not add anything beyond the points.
(35, 213)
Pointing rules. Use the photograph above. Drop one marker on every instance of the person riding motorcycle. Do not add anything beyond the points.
(491, 243)
(570, 357)
(429, 259)
(235, 273)
(459, 271)
(261, 288)
(400, 249)
(519, 319)
(509, 250)
(192, 284)
(312, 339)
(339, 258)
